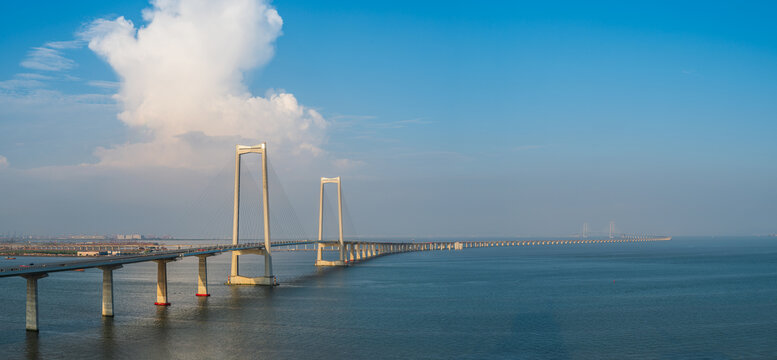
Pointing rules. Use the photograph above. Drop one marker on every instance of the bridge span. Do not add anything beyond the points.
(354, 252)
(348, 252)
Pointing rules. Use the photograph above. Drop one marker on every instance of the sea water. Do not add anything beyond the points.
(705, 298)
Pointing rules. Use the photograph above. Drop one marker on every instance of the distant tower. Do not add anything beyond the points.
(612, 229)
(585, 230)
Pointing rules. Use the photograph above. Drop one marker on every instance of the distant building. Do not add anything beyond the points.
(86, 237)
(128, 237)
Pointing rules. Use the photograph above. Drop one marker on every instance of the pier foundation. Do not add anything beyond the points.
(202, 276)
(32, 301)
(107, 303)
(161, 282)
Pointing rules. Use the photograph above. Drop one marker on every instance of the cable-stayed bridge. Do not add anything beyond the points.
(348, 252)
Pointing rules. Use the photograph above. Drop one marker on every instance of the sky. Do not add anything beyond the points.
(454, 118)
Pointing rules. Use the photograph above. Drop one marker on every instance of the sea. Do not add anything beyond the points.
(688, 298)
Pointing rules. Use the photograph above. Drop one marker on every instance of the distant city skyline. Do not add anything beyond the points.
(443, 118)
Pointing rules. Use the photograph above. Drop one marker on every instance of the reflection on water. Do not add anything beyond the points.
(31, 345)
(108, 340)
(709, 298)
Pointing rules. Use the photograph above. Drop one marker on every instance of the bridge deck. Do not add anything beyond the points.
(21, 270)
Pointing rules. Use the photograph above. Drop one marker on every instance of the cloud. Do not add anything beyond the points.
(34, 76)
(104, 84)
(181, 84)
(48, 58)
(62, 45)
(4, 164)
(14, 85)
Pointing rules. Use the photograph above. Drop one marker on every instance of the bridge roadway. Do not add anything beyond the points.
(103, 261)
(350, 252)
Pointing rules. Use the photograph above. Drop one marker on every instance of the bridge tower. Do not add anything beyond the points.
(612, 229)
(340, 243)
(234, 275)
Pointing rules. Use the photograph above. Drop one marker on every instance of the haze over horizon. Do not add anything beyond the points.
(443, 118)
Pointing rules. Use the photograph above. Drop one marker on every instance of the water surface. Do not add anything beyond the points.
(686, 298)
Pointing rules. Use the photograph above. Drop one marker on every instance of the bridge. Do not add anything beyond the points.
(348, 252)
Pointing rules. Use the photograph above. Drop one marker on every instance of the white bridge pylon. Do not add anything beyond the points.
(234, 275)
(341, 244)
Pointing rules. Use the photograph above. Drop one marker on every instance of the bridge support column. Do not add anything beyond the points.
(32, 301)
(107, 307)
(351, 252)
(161, 282)
(267, 280)
(202, 276)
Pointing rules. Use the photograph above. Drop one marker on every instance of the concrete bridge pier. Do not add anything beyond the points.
(351, 252)
(342, 261)
(32, 300)
(107, 307)
(161, 282)
(267, 280)
(202, 275)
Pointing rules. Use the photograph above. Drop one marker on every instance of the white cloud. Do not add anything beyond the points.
(181, 84)
(47, 59)
(4, 164)
(34, 76)
(69, 44)
(104, 84)
(20, 84)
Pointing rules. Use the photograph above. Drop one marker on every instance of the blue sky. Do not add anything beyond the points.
(495, 118)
